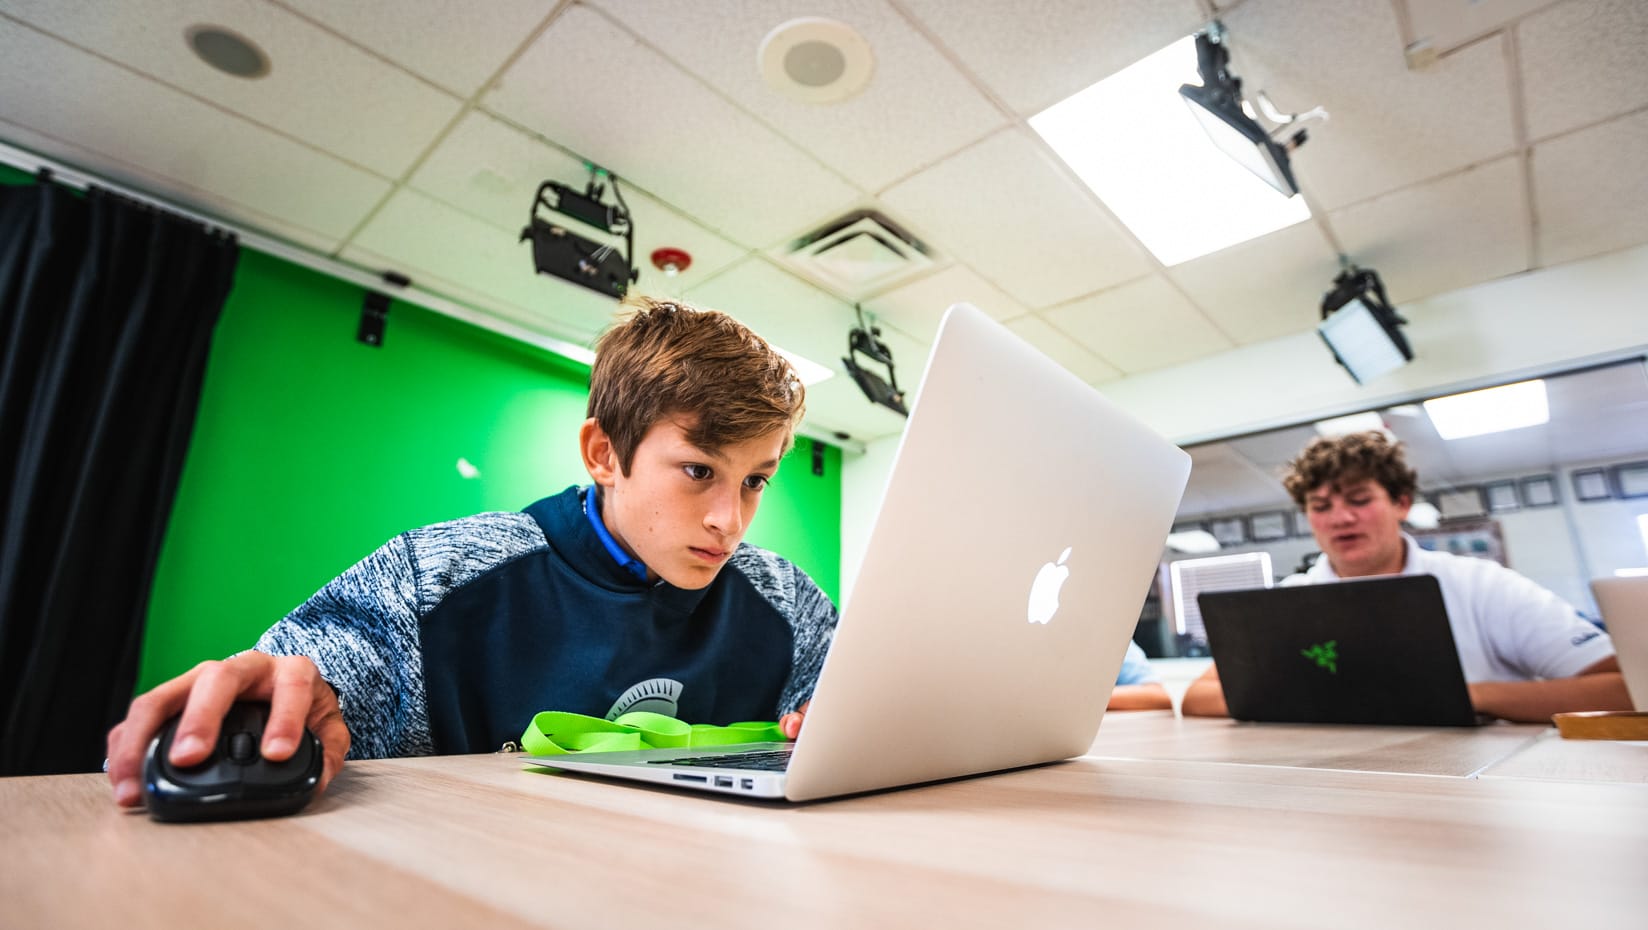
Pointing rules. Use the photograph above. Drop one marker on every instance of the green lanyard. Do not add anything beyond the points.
(554, 733)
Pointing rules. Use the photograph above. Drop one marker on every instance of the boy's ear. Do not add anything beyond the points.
(600, 458)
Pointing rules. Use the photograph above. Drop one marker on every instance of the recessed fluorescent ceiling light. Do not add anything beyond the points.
(1493, 410)
(1132, 139)
(1352, 423)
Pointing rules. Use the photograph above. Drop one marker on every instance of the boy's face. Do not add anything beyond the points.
(1358, 527)
(682, 509)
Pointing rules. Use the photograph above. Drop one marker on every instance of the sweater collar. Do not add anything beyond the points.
(566, 525)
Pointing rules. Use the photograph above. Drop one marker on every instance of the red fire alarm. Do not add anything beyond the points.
(671, 261)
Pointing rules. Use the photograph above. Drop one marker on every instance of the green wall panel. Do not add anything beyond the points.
(312, 449)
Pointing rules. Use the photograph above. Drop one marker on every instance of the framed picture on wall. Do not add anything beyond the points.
(1229, 531)
(1274, 524)
(1501, 496)
(1539, 491)
(1591, 484)
(1631, 479)
(1455, 503)
(1480, 538)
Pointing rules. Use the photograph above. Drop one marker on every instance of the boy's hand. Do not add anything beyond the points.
(294, 688)
(790, 723)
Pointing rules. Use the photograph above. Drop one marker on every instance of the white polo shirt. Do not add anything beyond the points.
(1507, 628)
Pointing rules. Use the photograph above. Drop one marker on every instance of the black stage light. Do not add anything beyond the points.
(865, 340)
(1217, 106)
(558, 251)
(1360, 326)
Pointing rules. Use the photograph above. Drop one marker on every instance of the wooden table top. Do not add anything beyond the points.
(1461, 751)
(1135, 842)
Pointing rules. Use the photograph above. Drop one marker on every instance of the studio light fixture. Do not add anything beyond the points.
(1359, 325)
(1134, 142)
(557, 250)
(1219, 107)
(865, 340)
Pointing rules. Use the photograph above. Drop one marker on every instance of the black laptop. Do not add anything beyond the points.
(1377, 650)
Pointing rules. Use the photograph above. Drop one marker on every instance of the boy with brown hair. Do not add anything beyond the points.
(634, 593)
(1526, 653)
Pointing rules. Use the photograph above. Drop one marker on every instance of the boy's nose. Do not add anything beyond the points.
(726, 514)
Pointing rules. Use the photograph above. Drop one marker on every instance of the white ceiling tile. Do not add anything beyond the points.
(782, 308)
(916, 308)
(209, 204)
(443, 40)
(1021, 221)
(800, 318)
(1582, 61)
(1590, 190)
(492, 170)
(1062, 349)
(184, 146)
(1035, 55)
(1265, 287)
(916, 109)
(1463, 229)
(1140, 325)
(1388, 126)
(595, 89)
(421, 234)
(319, 88)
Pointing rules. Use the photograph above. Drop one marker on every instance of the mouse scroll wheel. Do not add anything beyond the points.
(242, 749)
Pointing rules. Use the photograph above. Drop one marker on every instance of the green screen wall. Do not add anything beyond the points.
(313, 449)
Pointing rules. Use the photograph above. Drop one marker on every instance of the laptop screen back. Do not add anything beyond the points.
(1624, 606)
(1375, 651)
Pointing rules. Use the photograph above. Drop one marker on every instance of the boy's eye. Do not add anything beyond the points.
(699, 472)
(756, 482)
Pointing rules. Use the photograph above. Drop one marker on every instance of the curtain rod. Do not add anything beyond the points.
(298, 255)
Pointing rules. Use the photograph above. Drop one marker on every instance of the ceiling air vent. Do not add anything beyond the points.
(858, 255)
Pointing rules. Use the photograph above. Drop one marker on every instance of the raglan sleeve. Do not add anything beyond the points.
(361, 631)
(1539, 633)
(1136, 668)
(812, 618)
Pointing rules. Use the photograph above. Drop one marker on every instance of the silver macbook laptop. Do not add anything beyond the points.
(1020, 528)
(1624, 606)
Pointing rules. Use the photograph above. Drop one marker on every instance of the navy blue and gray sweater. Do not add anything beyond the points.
(450, 637)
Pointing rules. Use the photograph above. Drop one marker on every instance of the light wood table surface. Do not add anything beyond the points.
(480, 841)
(1458, 751)
(1551, 756)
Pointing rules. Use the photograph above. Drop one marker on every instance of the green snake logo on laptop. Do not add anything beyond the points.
(1326, 655)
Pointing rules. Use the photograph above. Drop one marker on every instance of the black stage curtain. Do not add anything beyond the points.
(106, 314)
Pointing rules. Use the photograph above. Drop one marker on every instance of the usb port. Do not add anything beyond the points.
(722, 781)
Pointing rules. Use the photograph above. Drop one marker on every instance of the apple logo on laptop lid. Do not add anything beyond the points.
(1044, 591)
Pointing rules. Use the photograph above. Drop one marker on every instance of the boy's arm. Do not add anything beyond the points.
(344, 663)
(1205, 697)
(1599, 686)
(812, 619)
(361, 633)
(1151, 696)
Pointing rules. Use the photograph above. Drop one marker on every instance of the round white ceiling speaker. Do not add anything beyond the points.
(816, 60)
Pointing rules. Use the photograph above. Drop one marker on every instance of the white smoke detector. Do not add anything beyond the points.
(816, 60)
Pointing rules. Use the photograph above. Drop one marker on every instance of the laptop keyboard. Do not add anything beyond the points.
(772, 760)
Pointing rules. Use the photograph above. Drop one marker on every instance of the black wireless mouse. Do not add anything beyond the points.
(235, 782)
